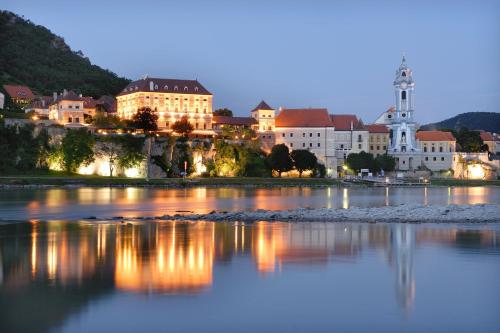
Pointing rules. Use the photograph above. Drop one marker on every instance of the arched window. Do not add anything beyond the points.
(185, 88)
(165, 87)
(403, 74)
(403, 94)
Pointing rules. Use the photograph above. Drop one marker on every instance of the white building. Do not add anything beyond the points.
(310, 129)
(402, 127)
(67, 109)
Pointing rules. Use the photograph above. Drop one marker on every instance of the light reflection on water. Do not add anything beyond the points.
(53, 271)
(78, 203)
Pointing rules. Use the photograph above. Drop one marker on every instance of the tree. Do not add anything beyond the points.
(101, 120)
(279, 159)
(145, 119)
(223, 112)
(124, 151)
(77, 147)
(183, 127)
(303, 160)
(362, 160)
(468, 141)
(385, 162)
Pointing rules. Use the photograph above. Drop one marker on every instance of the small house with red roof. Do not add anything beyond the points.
(21, 95)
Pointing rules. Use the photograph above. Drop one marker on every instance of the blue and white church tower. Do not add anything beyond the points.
(401, 124)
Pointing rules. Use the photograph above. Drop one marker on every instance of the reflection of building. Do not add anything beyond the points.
(403, 245)
(177, 259)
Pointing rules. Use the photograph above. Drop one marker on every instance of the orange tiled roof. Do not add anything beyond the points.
(486, 136)
(262, 106)
(21, 92)
(342, 122)
(375, 128)
(434, 136)
(303, 118)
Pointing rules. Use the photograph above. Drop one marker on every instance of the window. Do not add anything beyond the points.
(70, 119)
(359, 146)
(403, 115)
(204, 126)
(303, 135)
(403, 74)
(371, 147)
(70, 106)
(440, 149)
(434, 158)
(303, 144)
(426, 158)
(319, 144)
(341, 146)
(196, 125)
(378, 147)
(319, 135)
(77, 106)
(77, 120)
(425, 149)
(360, 139)
(185, 88)
(291, 135)
(310, 144)
(403, 95)
(433, 149)
(291, 144)
(384, 147)
(389, 116)
(442, 158)
(310, 135)
(283, 134)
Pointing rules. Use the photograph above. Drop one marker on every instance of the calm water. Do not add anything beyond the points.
(260, 277)
(108, 202)
(64, 276)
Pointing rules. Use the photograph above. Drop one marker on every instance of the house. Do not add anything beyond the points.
(310, 129)
(378, 139)
(350, 136)
(67, 109)
(40, 106)
(21, 95)
(438, 148)
(265, 117)
(489, 140)
(171, 100)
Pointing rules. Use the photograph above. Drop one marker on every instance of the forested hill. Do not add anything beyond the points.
(486, 121)
(32, 55)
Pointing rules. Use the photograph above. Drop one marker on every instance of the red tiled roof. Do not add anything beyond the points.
(89, 102)
(41, 102)
(391, 109)
(303, 118)
(20, 92)
(108, 103)
(225, 120)
(486, 136)
(435, 136)
(375, 128)
(69, 96)
(342, 122)
(263, 106)
(165, 86)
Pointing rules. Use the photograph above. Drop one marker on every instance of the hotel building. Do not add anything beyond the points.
(171, 100)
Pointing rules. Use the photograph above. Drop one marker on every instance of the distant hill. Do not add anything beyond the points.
(486, 121)
(32, 55)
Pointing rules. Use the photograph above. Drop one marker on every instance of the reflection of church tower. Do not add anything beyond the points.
(403, 245)
(402, 126)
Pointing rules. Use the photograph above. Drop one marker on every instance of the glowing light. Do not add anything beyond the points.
(132, 172)
(475, 171)
(86, 169)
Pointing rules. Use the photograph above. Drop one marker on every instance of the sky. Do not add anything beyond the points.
(341, 55)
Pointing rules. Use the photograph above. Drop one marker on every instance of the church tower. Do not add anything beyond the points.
(401, 124)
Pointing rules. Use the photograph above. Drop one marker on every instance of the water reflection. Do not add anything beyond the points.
(104, 202)
(62, 266)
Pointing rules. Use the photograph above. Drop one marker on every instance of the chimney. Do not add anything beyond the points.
(65, 92)
(80, 95)
(151, 86)
(352, 127)
(54, 96)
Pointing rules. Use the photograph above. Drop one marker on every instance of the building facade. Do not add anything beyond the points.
(67, 109)
(438, 149)
(265, 117)
(309, 129)
(171, 100)
(378, 139)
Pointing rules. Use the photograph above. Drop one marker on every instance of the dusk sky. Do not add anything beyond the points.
(336, 54)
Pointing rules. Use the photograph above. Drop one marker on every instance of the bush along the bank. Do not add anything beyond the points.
(123, 151)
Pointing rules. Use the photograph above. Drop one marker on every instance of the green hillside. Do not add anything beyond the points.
(32, 55)
(486, 121)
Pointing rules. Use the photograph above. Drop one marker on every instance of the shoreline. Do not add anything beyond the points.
(21, 182)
